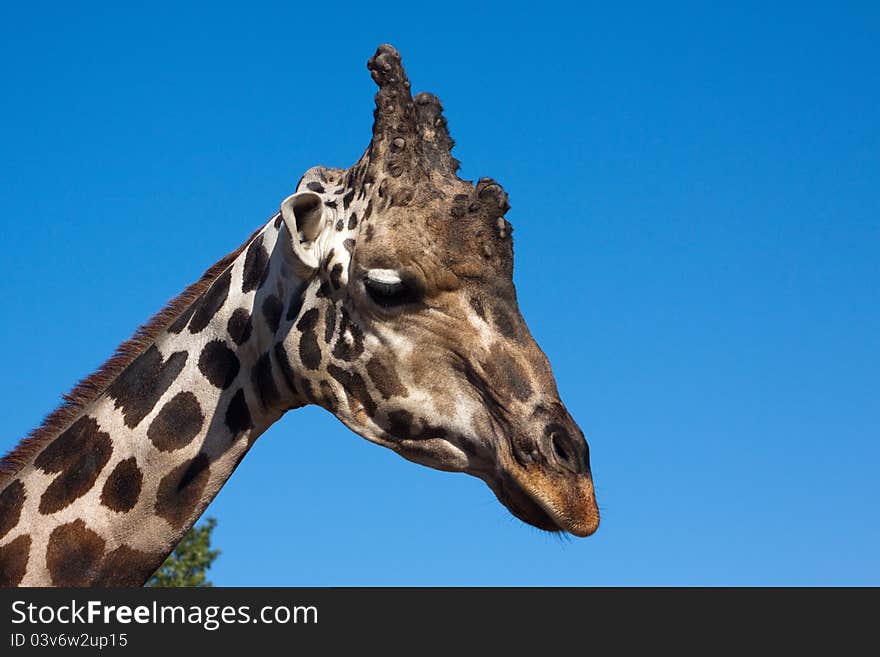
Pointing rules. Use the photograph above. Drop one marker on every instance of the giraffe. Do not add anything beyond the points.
(382, 293)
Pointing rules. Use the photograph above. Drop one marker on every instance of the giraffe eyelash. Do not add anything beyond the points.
(386, 289)
(387, 276)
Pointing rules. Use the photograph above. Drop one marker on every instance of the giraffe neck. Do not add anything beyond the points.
(105, 500)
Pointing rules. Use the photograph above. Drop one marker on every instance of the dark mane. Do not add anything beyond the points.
(92, 387)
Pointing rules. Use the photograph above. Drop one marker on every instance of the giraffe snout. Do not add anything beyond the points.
(546, 480)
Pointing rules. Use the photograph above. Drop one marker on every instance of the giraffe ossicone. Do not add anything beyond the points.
(382, 292)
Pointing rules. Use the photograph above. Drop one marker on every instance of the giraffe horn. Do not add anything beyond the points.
(434, 134)
(395, 136)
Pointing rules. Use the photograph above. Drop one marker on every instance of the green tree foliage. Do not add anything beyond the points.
(188, 564)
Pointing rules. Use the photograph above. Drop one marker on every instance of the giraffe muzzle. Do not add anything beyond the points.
(549, 500)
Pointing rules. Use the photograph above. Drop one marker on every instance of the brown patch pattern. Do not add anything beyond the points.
(264, 383)
(13, 560)
(329, 323)
(238, 417)
(350, 343)
(179, 421)
(385, 379)
(140, 386)
(309, 351)
(11, 501)
(402, 425)
(123, 486)
(239, 326)
(180, 491)
(78, 455)
(354, 386)
(219, 364)
(272, 309)
(73, 555)
(180, 323)
(256, 266)
(127, 567)
(211, 302)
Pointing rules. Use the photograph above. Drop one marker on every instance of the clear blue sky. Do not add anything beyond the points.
(696, 198)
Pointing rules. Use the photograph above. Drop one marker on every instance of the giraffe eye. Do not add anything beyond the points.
(386, 289)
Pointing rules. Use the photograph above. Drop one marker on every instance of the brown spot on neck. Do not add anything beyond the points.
(128, 567)
(177, 423)
(73, 554)
(123, 486)
(180, 491)
(78, 455)
(13, 560)
(11, 500)
(139, 387)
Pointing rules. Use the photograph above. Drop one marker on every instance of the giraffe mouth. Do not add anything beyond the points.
(530, 497)
(523, 505)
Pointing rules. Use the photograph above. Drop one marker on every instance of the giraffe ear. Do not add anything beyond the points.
(303, 214)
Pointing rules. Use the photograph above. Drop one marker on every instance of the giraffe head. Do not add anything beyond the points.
(407, 326)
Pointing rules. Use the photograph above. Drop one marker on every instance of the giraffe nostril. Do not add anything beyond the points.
(570, 452)
(561, 452)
